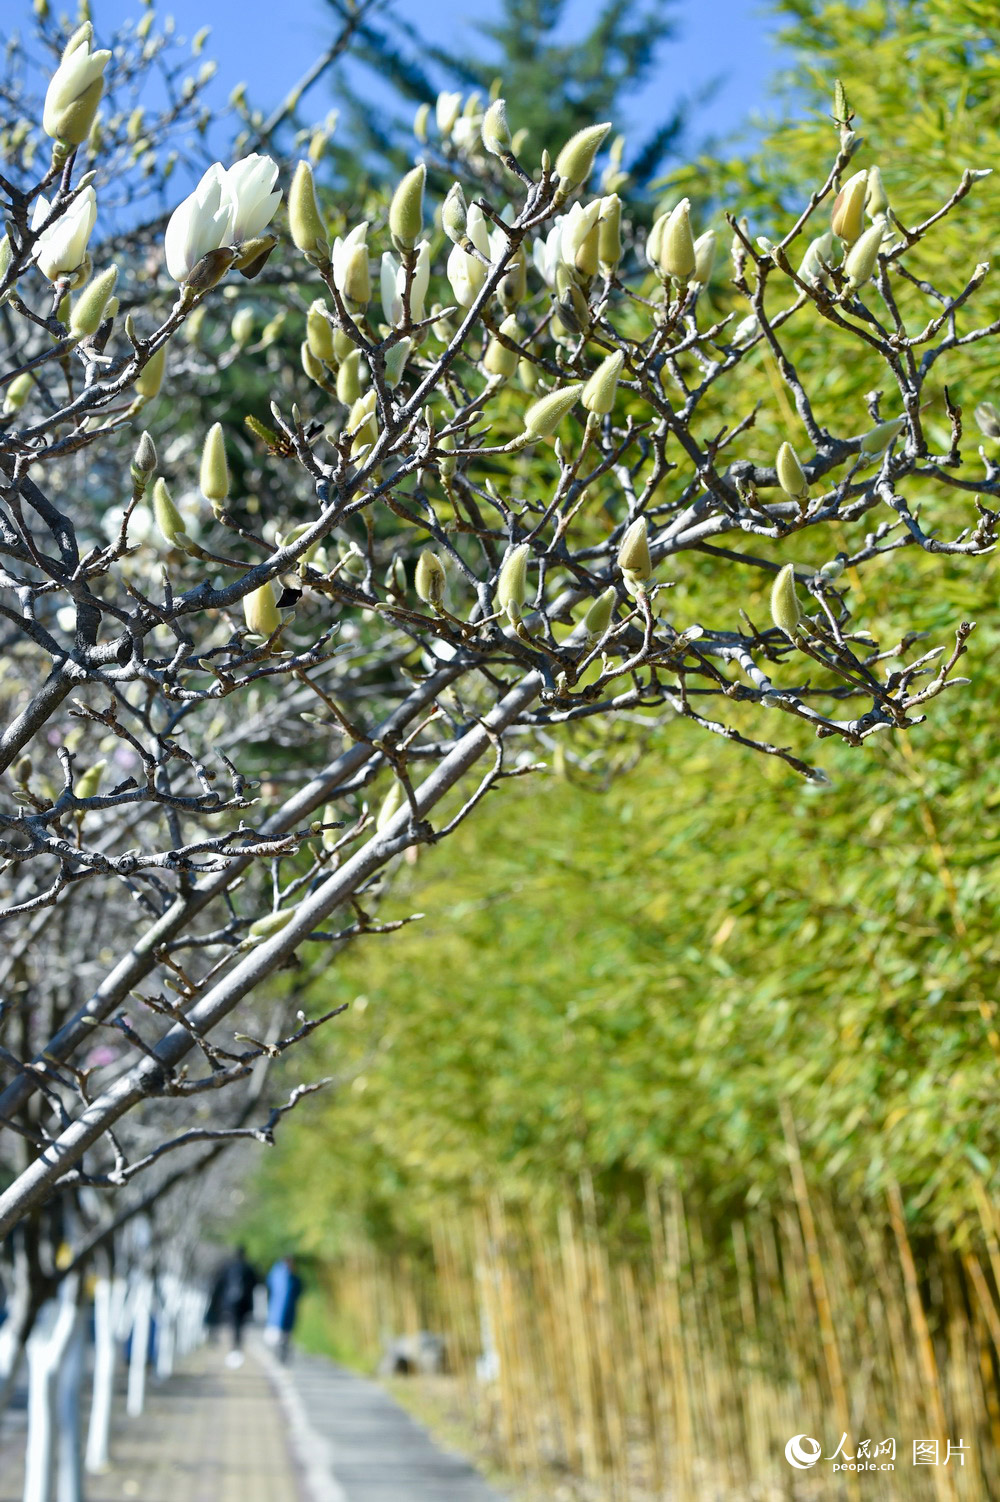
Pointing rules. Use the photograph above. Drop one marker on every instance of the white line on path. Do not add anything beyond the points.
(313, 1453)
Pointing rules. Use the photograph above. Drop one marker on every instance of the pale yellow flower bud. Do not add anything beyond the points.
(544, 416)
(88, 784)
(420, 122)
(356, 275)
(362, 424)
(150, 378)
(633, 554)
(454, 213)
(167, 517)
(598, 617)
(391, 804)
(429, 579)
(574, 162)
(987, 420)
(609, 239)
(495, 130)
(791, 476)
(16, 392)
(304, 217)
(312, 367)
(319, 333)
(498, 360)
(349, 378)
(512, 582)
(677, 254)
(879, 438)
(599, 392)
(785, 603)
(214, 478)
(241, 328)
(876, 198)
(862, 259)
(261, 610)
(395, 362)
(269, 925)
(848, 217)
(704, 256)
(406, 211)
(90, 307)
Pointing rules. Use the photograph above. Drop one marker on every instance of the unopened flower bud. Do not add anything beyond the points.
(544, 416)
(150, 378)
(987, 419)
(304, 217)
(349, 378)
(447, 110)
(609, 238)
(512, 582)
(785, 603)
(598, 617)
(89, 309)
(633, 554)
(791, 476)
(406, 211)
(16, 392)
(862, 258)
(362, 424)
(167, 517)
(495, 130)
(241, 328)
(677, 255)
(144, 459)
(261, 610)
(319, 333)
(270, 924)
(499, 360)
(876, 198)
(848, 218)
(312, 367)
(454, 213)
(430, 578)
(214, 478)
(820, 254)
(254, 255)
(88, 784)
(876, 441)
(574, 162)
(395, 362)
(356, 278)
(75, 90)
(599, 392)
(391, 804)
(420, 121)
(704, 256)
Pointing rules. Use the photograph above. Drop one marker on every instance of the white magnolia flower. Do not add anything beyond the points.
(546, 253)
(226, 208)
(249, 186)
(62, 247)
(465, 273)
(343, 249)
(75, 89)
(466, 132)
(446, 112)
(392, 285)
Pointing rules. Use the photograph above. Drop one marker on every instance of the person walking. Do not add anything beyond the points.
(284, 1288)
(233, 1297)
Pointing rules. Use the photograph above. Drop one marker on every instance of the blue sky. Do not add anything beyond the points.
(270, 45)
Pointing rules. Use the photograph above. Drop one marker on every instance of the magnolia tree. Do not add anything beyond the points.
(244, 676)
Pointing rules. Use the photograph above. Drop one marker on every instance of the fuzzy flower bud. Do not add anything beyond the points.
(90, 781)
(406, 211)
(633, 554)
(150, 378)
(879, 438)
(270, 924)
(791, 476)
(862, 258)
(241, 328)
(495, 130)
(599, 392)
(677, 253)
(512, 583)
(167, 517)
(16, 392)
(391, 804)
(144, 459)
(574, 162)
(848, 218)
(785, 611)
(89, 308)
(312, 367)
(214, 478)
(987, 420)
(499, 360)
(355, 278)
(75, 90)
(876, 198)
(609, 238)
(349, 378)
(454, 213)
(704, 256)
(395, 362)
(820, 253)
(319, 333)
(598, 617)
(544, 416)
(430, 578)
(261, 610)
(304, 218)
(362, 424)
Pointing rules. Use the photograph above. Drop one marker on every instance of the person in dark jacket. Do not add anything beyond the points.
(232, 1296)
(284, 1288)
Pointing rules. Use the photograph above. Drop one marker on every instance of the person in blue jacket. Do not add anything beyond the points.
(284, 1288)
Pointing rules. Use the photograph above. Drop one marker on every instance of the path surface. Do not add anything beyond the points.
(308, 1432)
(373, 1449)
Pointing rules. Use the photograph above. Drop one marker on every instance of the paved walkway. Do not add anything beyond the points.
(309, 1432)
